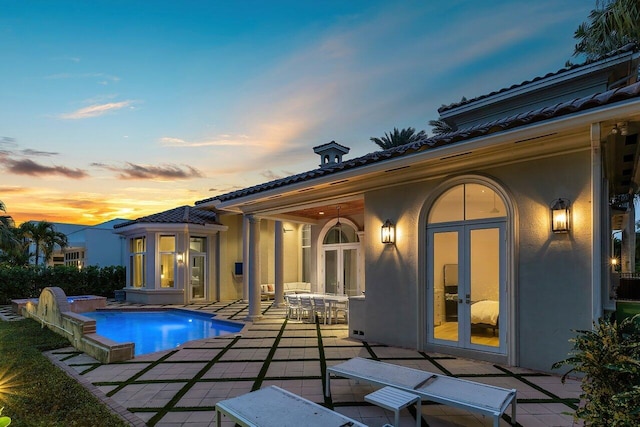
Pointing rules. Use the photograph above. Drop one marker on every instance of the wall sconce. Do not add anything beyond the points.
(388, 233)
(180, 258)
(620, 128)
(560, 216)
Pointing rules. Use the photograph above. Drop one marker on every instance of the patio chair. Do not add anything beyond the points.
(306, 307)
(341, 307)
(320, 307)
(293, 306)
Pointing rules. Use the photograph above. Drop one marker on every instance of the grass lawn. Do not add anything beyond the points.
(33, 391)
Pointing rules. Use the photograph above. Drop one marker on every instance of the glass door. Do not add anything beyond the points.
(197, 279)
(341, 269)
(467, 289)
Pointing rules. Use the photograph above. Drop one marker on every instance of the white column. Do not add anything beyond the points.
(628, 249)
(597, 287)
(245, 258)
(279, 267)
(254, 269)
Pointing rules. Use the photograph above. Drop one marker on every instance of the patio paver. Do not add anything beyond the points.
(181, 387)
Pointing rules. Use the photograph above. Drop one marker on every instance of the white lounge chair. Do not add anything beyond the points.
(274, 407)
(470, 395)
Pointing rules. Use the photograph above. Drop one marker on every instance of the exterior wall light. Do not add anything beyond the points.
(561, 216)
(388, 233)
(180, 258)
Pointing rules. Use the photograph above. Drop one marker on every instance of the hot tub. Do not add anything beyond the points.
(79, 303)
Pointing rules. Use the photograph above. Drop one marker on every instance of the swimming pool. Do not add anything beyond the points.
(158, 330)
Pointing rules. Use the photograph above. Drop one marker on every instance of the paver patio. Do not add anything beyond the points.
(180, 387)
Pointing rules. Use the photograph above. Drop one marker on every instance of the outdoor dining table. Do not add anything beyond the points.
(332, 301)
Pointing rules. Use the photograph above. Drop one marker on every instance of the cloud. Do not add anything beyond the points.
(31, 168)
(165, 172)
(8, 141)
(219, 141)
(30, 152)
(96, 110)
(17, 190)
(270, 175)
(102, 77)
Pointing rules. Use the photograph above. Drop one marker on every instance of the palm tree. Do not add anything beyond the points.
(612, 24)
(8, 240)
(44, 236)
(440, 127)
(398, 138)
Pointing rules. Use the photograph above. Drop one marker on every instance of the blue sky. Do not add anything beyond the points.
(125, 108)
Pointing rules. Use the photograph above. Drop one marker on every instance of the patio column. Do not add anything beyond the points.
(245, 258)
(279, 267)
(254, 269)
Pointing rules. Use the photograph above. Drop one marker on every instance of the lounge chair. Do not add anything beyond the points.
(273, 406)
(459, 393)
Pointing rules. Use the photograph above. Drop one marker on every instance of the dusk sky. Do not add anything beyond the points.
(120, 109)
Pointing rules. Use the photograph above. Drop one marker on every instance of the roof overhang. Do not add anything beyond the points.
(565, 134)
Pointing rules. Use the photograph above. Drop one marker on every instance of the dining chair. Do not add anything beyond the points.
(293, 306)
(306, 306)
(320, 307)
(341, 307)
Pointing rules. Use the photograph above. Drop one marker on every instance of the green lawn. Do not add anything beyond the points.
(33, 391)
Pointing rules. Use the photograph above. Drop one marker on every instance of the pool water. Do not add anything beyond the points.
(158, 330)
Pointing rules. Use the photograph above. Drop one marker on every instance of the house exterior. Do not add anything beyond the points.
(94, 245)
(491, 242)
(173, 257)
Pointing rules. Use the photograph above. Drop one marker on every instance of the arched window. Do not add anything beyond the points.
(340, 234)
(466, 202)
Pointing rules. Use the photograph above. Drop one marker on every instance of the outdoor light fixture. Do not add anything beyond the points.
(560, 216)
(388, 233)
(620, 128)
(180, 258)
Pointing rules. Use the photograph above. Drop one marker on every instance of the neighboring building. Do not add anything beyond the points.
(86, 245)
(94, 245)
(453, 238)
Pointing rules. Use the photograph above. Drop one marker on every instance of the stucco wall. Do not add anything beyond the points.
(552, 272)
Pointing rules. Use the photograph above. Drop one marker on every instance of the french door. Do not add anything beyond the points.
(197, 280)
(341, 269)
(466, 282)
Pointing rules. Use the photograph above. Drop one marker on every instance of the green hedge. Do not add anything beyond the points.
(28, 282)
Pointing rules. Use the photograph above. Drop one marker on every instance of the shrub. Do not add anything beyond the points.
(28, 282)
(609, 358)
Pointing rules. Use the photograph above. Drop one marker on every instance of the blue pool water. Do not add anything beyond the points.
(158, 330)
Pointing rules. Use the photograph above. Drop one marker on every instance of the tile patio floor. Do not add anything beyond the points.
(180, 387)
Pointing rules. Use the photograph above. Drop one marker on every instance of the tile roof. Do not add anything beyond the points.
(180, 215)
(630, 47)
(503, 124)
